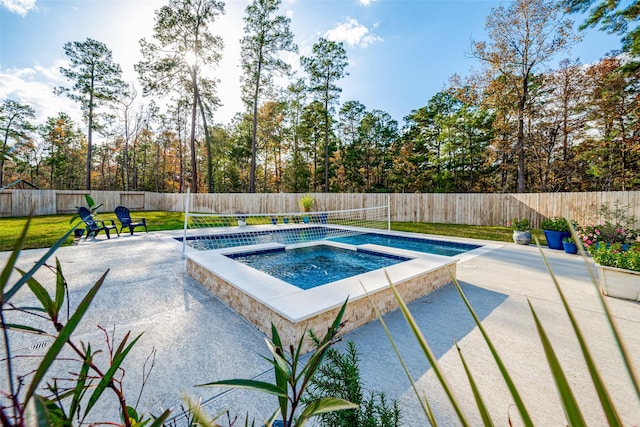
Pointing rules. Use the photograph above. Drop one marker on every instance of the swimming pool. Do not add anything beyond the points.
(289, 236)
(312, 266)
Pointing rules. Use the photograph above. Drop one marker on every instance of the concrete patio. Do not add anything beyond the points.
(197, 339)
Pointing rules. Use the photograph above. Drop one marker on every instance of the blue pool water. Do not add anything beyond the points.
(413, 244)
(318, 265)
(307, 234)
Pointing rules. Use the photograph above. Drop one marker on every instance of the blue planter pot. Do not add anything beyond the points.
(554, 238)
(570, 248)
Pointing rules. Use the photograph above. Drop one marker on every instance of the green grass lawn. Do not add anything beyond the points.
(44, 231)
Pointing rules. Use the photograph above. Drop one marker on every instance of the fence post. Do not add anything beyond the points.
(186, 219)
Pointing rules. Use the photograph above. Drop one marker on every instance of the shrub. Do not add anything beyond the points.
(613, 226)
(339, 376)
(306, 202)
(614, 256)
(520, 224)
(556, 223)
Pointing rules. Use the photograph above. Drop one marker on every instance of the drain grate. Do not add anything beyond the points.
(39, 345)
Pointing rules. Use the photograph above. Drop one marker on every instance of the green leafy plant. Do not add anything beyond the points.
(292, 377)
(339, 376)
(616, 256)
(568, 240)
(306, 202)
(556, 223)
(520, 224)
(71, 399)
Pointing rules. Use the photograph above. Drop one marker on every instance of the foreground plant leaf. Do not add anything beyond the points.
(322, 406)
(63, 336)
(429, 354)
(603, 395)
(484, 412)
(567, 399)
(603, 303)
(526, 418)
(424, 401)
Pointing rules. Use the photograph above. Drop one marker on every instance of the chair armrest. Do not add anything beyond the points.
(104, 222)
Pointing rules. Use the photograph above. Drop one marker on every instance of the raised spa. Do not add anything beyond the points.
(265, 300)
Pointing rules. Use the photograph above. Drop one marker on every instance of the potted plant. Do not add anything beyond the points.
(618, 270)
(242, 219)
(569, 245)
(521, 231)
(306, 203)
(555, 229)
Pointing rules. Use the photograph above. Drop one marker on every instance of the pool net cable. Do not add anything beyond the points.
(213, 231)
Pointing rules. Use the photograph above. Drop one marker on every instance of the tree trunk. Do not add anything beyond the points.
(87, 180)
(207, 139)
(520, 141)
(326, 136)
(254, 132)
(194, 165)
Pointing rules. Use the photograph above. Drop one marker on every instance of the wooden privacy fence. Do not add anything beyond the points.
(451, 208)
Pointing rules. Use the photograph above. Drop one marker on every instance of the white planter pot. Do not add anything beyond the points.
(521, 237)
(619, 283)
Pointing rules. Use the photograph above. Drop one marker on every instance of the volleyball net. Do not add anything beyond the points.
(204, 231)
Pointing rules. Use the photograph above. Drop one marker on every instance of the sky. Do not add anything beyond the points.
(400, 52)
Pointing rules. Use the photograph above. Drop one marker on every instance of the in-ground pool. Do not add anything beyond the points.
(295, 235)
(311, 266)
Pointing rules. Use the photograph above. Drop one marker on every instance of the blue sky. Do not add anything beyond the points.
(401, 52)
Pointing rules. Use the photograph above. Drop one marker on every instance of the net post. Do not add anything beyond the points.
(388, 212)
(186, 219)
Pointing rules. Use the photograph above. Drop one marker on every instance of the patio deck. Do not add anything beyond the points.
(198, 339)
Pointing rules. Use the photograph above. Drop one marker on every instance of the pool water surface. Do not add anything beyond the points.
(410, 243)
(308, 267)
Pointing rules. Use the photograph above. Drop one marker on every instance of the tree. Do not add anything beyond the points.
(266, 36)
(97, 81)
(610, 151)
(465, 136)
(297, 173)
(524, 36)
(15, 126)
(613, 17)
(65, 145)
(185, 45)
(325, 67)
(376, 133)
